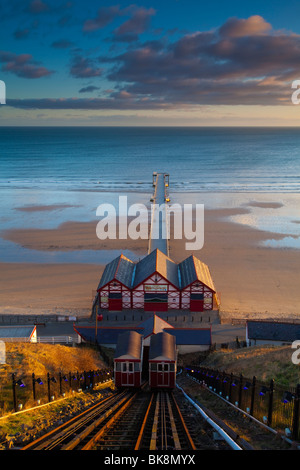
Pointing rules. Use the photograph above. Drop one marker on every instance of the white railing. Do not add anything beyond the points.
(59, 339)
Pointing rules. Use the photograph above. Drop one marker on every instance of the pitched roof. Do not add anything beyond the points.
(16, 331)
(158, 262)
(121, 269)
(129, 344)
(191, 270)
(180, 275)
(153, 325)
(162, 345)
(276, 331)
(150, 327)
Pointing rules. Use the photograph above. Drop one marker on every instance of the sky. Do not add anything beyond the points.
(149, 63)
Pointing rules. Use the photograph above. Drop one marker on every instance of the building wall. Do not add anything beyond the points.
(114, 287)
(156, 285)
(197, 288)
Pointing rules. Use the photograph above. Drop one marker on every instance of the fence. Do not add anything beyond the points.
(29, 390)
(59, 339)
(270, 403)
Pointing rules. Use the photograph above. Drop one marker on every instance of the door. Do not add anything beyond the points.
(127, 374)
(162, 375)
(115, 301)
(196, 304)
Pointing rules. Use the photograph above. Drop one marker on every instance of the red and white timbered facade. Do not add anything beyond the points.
(156, 294)
(197, 297)
(156, 284)
(115, 296)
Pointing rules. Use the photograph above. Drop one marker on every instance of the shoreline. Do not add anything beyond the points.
(252, 280)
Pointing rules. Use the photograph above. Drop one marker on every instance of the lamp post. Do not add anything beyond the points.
(34, 381)
(14, 384)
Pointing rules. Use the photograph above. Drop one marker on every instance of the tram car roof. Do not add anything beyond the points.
(129, 346)
(162, 347)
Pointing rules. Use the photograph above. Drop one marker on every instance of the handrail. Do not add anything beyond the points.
(221, 431)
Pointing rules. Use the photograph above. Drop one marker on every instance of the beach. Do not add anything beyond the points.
(253, 280)
(52, 181)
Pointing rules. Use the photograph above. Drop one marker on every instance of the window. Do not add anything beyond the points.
(153, 367)
(130, 367)
(159, 367)
(166, 367)
(118, 366)
(124, 367)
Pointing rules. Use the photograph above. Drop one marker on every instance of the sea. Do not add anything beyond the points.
(74, 169)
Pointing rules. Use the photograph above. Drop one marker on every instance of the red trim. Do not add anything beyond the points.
(114, 280)
(163, 277)
(32, 333)
(198, 280)
(127, 360)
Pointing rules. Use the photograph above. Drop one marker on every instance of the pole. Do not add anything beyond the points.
(96, 327)
(33, 385)
(48, 381)
(271, 396)
(296, 414)
(240, 390)
(60, 384)
(230, 385)
(14, 391)
(252, 395)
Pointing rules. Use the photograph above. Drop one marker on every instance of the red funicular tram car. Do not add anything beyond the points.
(162, 361)
(128, 360)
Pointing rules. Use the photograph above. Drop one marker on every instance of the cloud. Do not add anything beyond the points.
(89, 89)
(82, 67)
(37, 6)
(62, 44)
(86, 103)
(105, 16)
(243, 62)
(225, 66)
(137, 24)
(236, 28)
(21, 33)
(22, 65)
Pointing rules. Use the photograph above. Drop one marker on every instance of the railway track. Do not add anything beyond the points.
(69, 435)
(140, 420)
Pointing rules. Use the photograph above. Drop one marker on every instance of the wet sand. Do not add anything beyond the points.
(71, 236)
(252, 281)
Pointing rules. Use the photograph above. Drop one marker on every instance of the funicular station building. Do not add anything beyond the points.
(153, 288)
(157, 284)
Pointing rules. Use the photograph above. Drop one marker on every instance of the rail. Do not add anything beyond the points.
(58, 339)
(140, 420)
(62, 438)
(227, 438)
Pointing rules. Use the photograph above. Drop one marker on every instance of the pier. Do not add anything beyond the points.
(159, 230)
